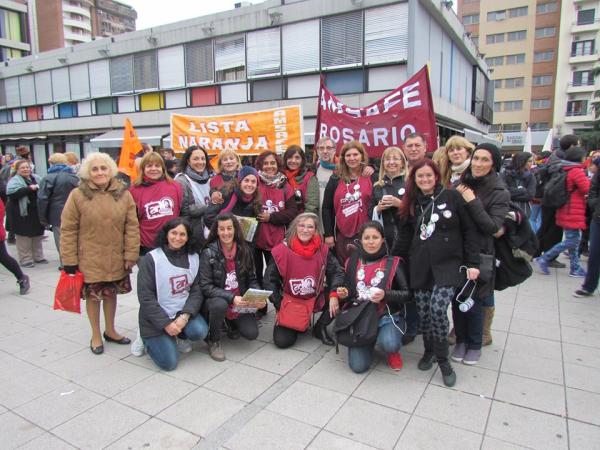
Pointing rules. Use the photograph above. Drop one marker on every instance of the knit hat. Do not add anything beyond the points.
(575, 154)
(494, 151)
(245, 171)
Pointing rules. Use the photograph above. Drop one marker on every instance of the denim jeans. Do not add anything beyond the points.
(593, 267)
(163, 348)
(389, 340)
(536, 217)
(570, 243)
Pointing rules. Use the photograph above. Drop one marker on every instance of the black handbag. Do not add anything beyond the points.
(486, 267)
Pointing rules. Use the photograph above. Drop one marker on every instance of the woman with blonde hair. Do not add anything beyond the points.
(100, 237)
(228, 165)
(458, 152)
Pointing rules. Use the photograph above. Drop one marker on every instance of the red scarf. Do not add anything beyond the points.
(229, 254)
(307, 249)
(291, 176)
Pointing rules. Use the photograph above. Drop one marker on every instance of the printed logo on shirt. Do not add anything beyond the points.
(270, 207)
(350, 206)
(179, 284)
(231, 282)
(162, 208)
(303, 286)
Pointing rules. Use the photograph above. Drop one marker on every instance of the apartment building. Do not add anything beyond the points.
(14, 30)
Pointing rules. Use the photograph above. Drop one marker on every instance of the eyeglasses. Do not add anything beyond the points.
(326, 148)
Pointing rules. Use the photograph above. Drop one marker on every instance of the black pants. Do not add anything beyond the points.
(468, 326)
(258, 263)
(286, 337)
(9, 262)
(214, 310)
(549, 233)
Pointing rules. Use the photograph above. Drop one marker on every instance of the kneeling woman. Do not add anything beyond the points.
(169, 295)
(226, 273)
(372, 275)
(301, 272)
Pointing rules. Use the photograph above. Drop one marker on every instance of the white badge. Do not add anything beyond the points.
(447, 214)
(442, 206)
(401, 191)
(435, 217)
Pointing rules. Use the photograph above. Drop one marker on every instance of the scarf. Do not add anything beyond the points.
(305, 249)
(291, 177)
(59, 168)
(327, 165)
(352, 266)
(149, 181)
(235, 196)
(458, 170)
(18, 182)
(276, 180)
(201, 178)
(229, 254)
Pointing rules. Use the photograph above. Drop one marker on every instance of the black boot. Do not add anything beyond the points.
(442, 350)
(320, 329)
(426, 361)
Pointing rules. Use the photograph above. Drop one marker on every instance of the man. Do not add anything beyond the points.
(415, 148)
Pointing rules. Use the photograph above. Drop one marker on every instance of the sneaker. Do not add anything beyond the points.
(41, 261)
(28, 265)
(24, 285)
(448, 374)
(183, 345)
(458, 354)
(556, 264)
(577, 273)
(216, 351)
(407, 339)
(394, 361)
(137, 347)
(582, 293)
(471, 357)
(542, 265)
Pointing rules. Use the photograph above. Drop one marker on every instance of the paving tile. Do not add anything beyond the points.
(333, 375)
(198, 368)
(155, 393)
(269, 431)
(536, 314)
(80, 364)
(392, 391)
(59, 405)
(329, 441)
(114, 378)
(9, 327)
(375, 425)
(49, 351)
(501, 322)
(582, 321)
(242, 382)
(584, 436)
(18, 342)
(241, 348)
(47, 441)
(581, 377)
(27, 386)
(418, 434)
(535, 329)
(531, 366)
(16, 431)
(307, 403)
(155, 434)
(202, 411)
(490, 443)
(409, 370)
(86, 431)
(471, 379)
(143, 361)
(581, 336)
(583, 405)
(452, 407)
(491, 357)
(526, 427)
(274, 359)
(307, 343)
(526, 345)
(533, 394)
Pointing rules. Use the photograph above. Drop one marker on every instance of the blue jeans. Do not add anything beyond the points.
(593, 267)
(163, 348)
(536, 217)
(570, 243)
(389, 340)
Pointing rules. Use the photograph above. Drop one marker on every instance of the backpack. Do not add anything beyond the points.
(555, 190)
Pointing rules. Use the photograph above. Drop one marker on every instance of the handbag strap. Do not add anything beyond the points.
(388, 268)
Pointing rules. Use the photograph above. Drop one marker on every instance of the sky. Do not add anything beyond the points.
(154, 13)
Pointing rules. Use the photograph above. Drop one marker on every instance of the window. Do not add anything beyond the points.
(582, 48)
(267, 90)
(498, 84)
(300, 42)
(106, 106)
(586, 16)
(341, 40)
(61, 90)
(543, 56)
(230, 58)
(264, 52)
(520, 35)
(514, 105)
(495, 61)
(543, 8)
(145, 71)
(386, 34)
(6, 116)
(99, 78)
(67, 110)
(347, 82)
(494, 38)
(511, 127)
(475, 40)
(199, 67)
(495, 16)
(511, 83)
(515, 59)
(495, 128)
(204, 96)
(545, 32)
(121, 74)
(497, 106)
(170, 62)
(539, 126)
(27, 90)
(542, 80)
(470, 19)
(540, 103)
(152, 101)
(517, 12)
(577, 108)
(583, 78)
(34, 113)
(80, 81)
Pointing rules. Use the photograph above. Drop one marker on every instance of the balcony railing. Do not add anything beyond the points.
(581, 83)
(581, 112)
(586, 21)
(583, 53)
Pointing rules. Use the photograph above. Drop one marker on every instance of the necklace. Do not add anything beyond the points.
(353, 195)
(428, 229)
(362, 289)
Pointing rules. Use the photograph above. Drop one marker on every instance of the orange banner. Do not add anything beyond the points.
(248, 133)
(131, 146)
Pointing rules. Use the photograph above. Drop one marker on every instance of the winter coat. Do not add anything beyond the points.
(28, 225)
(389, 216)
(213, 273)
(309, 198)
(521, 187)
(2, 230)
(593, 200)
(572, 215)
(53, 193)
(100, 231)
(152, 318)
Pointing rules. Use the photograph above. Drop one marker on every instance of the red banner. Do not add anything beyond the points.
(385, 123)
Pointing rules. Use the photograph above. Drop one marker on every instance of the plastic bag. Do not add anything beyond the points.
(67, 296)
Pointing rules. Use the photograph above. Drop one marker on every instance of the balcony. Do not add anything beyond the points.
(81, 24)
(575, 87)
(67, 8)
(579, 116)
(583, 27)
(580, 57)
(77, 38)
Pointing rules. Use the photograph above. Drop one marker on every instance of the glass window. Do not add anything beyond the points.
(470, 19)
(66, 110)
(205, 96)
(539, 126)
(152, 101)
(494, 38)
(511, 127)
(511, 83)
(582, 48)
(517, 12)
(348, 82)
(498, 84)
(540, 103)
(6, 116)
(542, 80)
(341, 40)
(520, 35)
(199, 67)
(34, 113)
(543, 56)
(106, 106)
(586, 16)
(99, 78)
(495, 61)
(515, 59)
(583, 78)
(300, 42)
(121, 74)
(577, 108)
(494, 16)
(264, 52)
(497, 106)
(267, 90)
(230, 58)
(545, 32)
(170, 62)
(543, 8)
(145, 71)
(514, 105)
(386, 34)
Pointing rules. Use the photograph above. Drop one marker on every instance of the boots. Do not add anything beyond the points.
(441, 350)
(488, 317)
(426, 361)
(320, 329)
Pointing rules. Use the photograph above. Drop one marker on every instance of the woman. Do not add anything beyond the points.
(458, 153)
(278, 208)
(8, 261)
(226, 273)
(194, 176)
(303, 270)
(221, 184)
(520, 181)
(170, 296)
(100, 236)
(157, 197)
(388, 192)
(488, 204)
(21, 190)
(346, 200)
(439, 238)
(303, 182)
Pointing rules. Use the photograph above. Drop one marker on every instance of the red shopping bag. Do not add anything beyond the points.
(67, 296)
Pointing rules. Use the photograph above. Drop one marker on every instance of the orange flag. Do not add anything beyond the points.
(131, 147)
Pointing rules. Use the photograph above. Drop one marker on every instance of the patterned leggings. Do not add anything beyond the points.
(432, 307)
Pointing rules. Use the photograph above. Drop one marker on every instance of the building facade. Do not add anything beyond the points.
(110, 17)
(255, 57)
(14, 30)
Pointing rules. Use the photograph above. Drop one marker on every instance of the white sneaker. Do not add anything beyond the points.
(184, 345)
(137, 347)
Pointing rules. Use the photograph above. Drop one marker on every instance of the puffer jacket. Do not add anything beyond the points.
(53, 193)
(100, 231)
(572, 214)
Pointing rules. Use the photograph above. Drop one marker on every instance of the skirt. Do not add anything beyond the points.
(103, 290)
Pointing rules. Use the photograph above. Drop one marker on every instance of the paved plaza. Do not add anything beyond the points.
(537, 386)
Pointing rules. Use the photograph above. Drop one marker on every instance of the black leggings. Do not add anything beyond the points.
(214, 310)
(286, 337)
(9, 262)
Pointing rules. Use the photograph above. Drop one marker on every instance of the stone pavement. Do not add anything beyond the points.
(537, 386)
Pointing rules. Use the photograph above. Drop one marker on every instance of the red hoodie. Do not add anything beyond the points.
(572, 215)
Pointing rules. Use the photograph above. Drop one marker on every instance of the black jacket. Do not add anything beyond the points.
(593, 200)
(153, 319)
(213, 274)
(53, 193)
(28, 225)
(241, 208)
(327, 208)
(390, 216)
(521, 187)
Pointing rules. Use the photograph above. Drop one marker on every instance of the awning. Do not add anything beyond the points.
(479, 138)
(114, 138)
